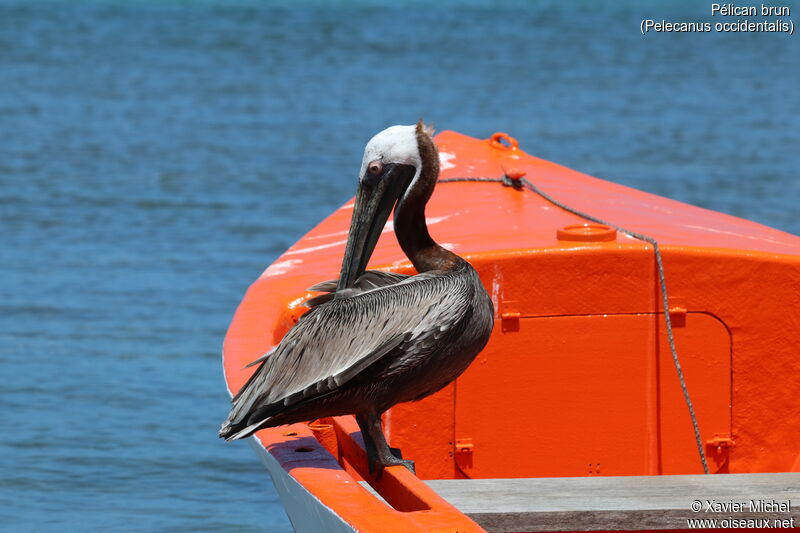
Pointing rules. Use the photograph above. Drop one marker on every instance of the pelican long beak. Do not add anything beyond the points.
(374, 201)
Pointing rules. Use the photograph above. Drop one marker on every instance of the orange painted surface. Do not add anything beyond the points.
(577, 379)
(584, 407)
(412, 506)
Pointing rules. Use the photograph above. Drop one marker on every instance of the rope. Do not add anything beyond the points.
(519, 183)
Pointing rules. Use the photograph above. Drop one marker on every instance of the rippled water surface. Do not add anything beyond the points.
(156, 156)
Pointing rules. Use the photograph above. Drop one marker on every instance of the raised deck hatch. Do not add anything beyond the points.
(593, 395)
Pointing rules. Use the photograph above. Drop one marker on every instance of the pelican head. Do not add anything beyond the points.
(390, 168)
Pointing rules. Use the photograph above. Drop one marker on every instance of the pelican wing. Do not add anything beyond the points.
(371, 279)
(333, 343)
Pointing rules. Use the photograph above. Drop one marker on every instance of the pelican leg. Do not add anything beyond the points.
(379, 455)
(369, 444)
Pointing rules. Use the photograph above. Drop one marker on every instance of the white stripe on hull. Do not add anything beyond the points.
(306, 512)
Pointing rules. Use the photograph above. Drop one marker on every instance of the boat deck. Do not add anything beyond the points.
(621, 502)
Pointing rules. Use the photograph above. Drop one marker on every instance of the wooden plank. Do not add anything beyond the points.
(624, 502)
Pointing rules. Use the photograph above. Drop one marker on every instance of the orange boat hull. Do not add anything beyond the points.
(577, 379)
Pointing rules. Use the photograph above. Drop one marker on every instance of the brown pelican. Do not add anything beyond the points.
(376, 338)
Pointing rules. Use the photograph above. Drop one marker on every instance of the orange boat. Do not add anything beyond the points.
(578, 380)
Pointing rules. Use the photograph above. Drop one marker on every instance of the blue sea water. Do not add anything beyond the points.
(156, 156)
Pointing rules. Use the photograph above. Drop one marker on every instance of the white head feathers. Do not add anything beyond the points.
(396, 144)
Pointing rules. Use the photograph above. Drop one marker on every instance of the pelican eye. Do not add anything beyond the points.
(375, 168)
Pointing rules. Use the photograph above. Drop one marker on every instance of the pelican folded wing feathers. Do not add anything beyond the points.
(371, 279)
(333, 343)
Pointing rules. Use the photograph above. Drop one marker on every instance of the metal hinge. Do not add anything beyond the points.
(463, 453)
(509, 316)
(722, 442)
(464, 446)
(677, 312)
